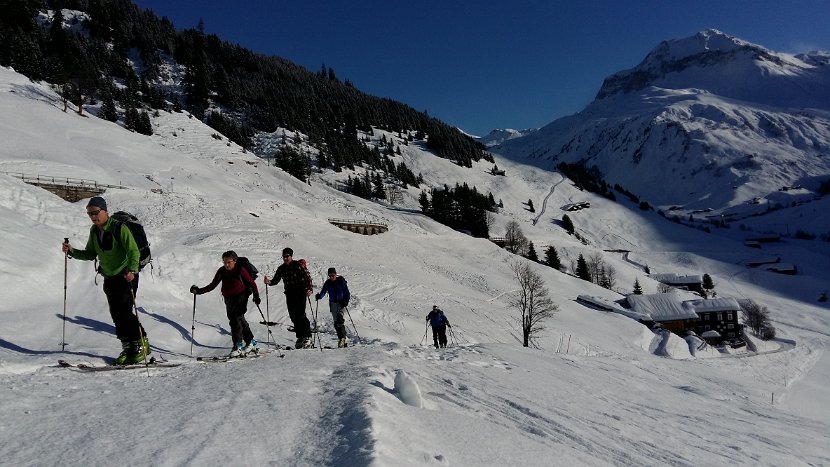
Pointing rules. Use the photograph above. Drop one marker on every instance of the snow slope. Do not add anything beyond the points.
(596, 394)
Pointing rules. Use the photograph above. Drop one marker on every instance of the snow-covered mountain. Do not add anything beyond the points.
(497, 137)
(710, 121)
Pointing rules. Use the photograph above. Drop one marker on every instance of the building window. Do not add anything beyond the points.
(729, 316)
(705, 317)
(720, 316)
(730, 326)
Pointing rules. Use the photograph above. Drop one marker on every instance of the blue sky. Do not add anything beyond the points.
(481, 65)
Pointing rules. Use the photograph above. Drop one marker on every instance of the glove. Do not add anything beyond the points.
(317, 297)
(257, 300)
(449, 325)
(194, 289)
(344, 303)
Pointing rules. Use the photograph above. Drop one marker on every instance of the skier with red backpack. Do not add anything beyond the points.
(237, 286)
(298, 286)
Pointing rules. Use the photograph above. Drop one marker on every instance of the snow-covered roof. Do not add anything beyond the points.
(714, 304)
(661, 307)
(613, 307)
(671, 278)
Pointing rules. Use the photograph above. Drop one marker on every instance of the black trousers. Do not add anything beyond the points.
(439, 335)
(296, 311)
(236, 306)
(119, 294)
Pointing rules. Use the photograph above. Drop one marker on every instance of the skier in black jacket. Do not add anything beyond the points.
(439, 324)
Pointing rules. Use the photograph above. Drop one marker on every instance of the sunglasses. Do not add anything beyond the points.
(93, 213)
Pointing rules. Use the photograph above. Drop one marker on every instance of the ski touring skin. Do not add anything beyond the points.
(84, 367)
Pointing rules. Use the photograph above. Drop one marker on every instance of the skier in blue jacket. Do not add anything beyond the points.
(439, 324)
(338, 290)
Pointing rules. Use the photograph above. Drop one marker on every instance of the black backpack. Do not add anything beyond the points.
(252, 270)
(132, 223)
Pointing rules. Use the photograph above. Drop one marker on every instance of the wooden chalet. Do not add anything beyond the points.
(718, 314)
(667, 310)
(692, 283)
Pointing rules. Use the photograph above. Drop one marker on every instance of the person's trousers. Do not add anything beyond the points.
(236, 307)
(439, 335)
(338, 319)
(296, 311)
(119, 294)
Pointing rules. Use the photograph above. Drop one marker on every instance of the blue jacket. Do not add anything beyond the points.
(337, 289)
(437, 318)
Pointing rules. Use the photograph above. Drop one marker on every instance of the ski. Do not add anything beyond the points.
(225, 358)
(84, 367)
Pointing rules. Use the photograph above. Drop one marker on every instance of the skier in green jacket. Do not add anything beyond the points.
(113, 245)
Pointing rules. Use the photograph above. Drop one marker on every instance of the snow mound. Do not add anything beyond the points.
(407, 390)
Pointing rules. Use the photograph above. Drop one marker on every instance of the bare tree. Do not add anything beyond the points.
(514, 239)
(532, 301)
(756, 318)
(664, 288)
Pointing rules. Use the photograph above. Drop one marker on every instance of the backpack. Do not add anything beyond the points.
(132, 223)
(244, 262)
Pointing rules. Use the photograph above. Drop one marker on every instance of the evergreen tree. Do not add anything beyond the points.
(143, 124)
(637, 289)
(552, 258)
(423, 200)
(531, 252)
(708, 284)
(108, 111)
(567, 224)
(582, 270)
(131, 118)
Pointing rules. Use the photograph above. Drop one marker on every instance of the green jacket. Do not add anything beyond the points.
(118, 254)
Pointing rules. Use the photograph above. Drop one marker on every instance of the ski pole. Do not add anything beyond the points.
(268, 313)
(316, 330)
(65, 268)
(140, 330)
(426, 328)
(193, 327)
(270, 334)
(350, 319)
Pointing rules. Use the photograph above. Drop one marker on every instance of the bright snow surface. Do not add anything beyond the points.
(602, 391)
